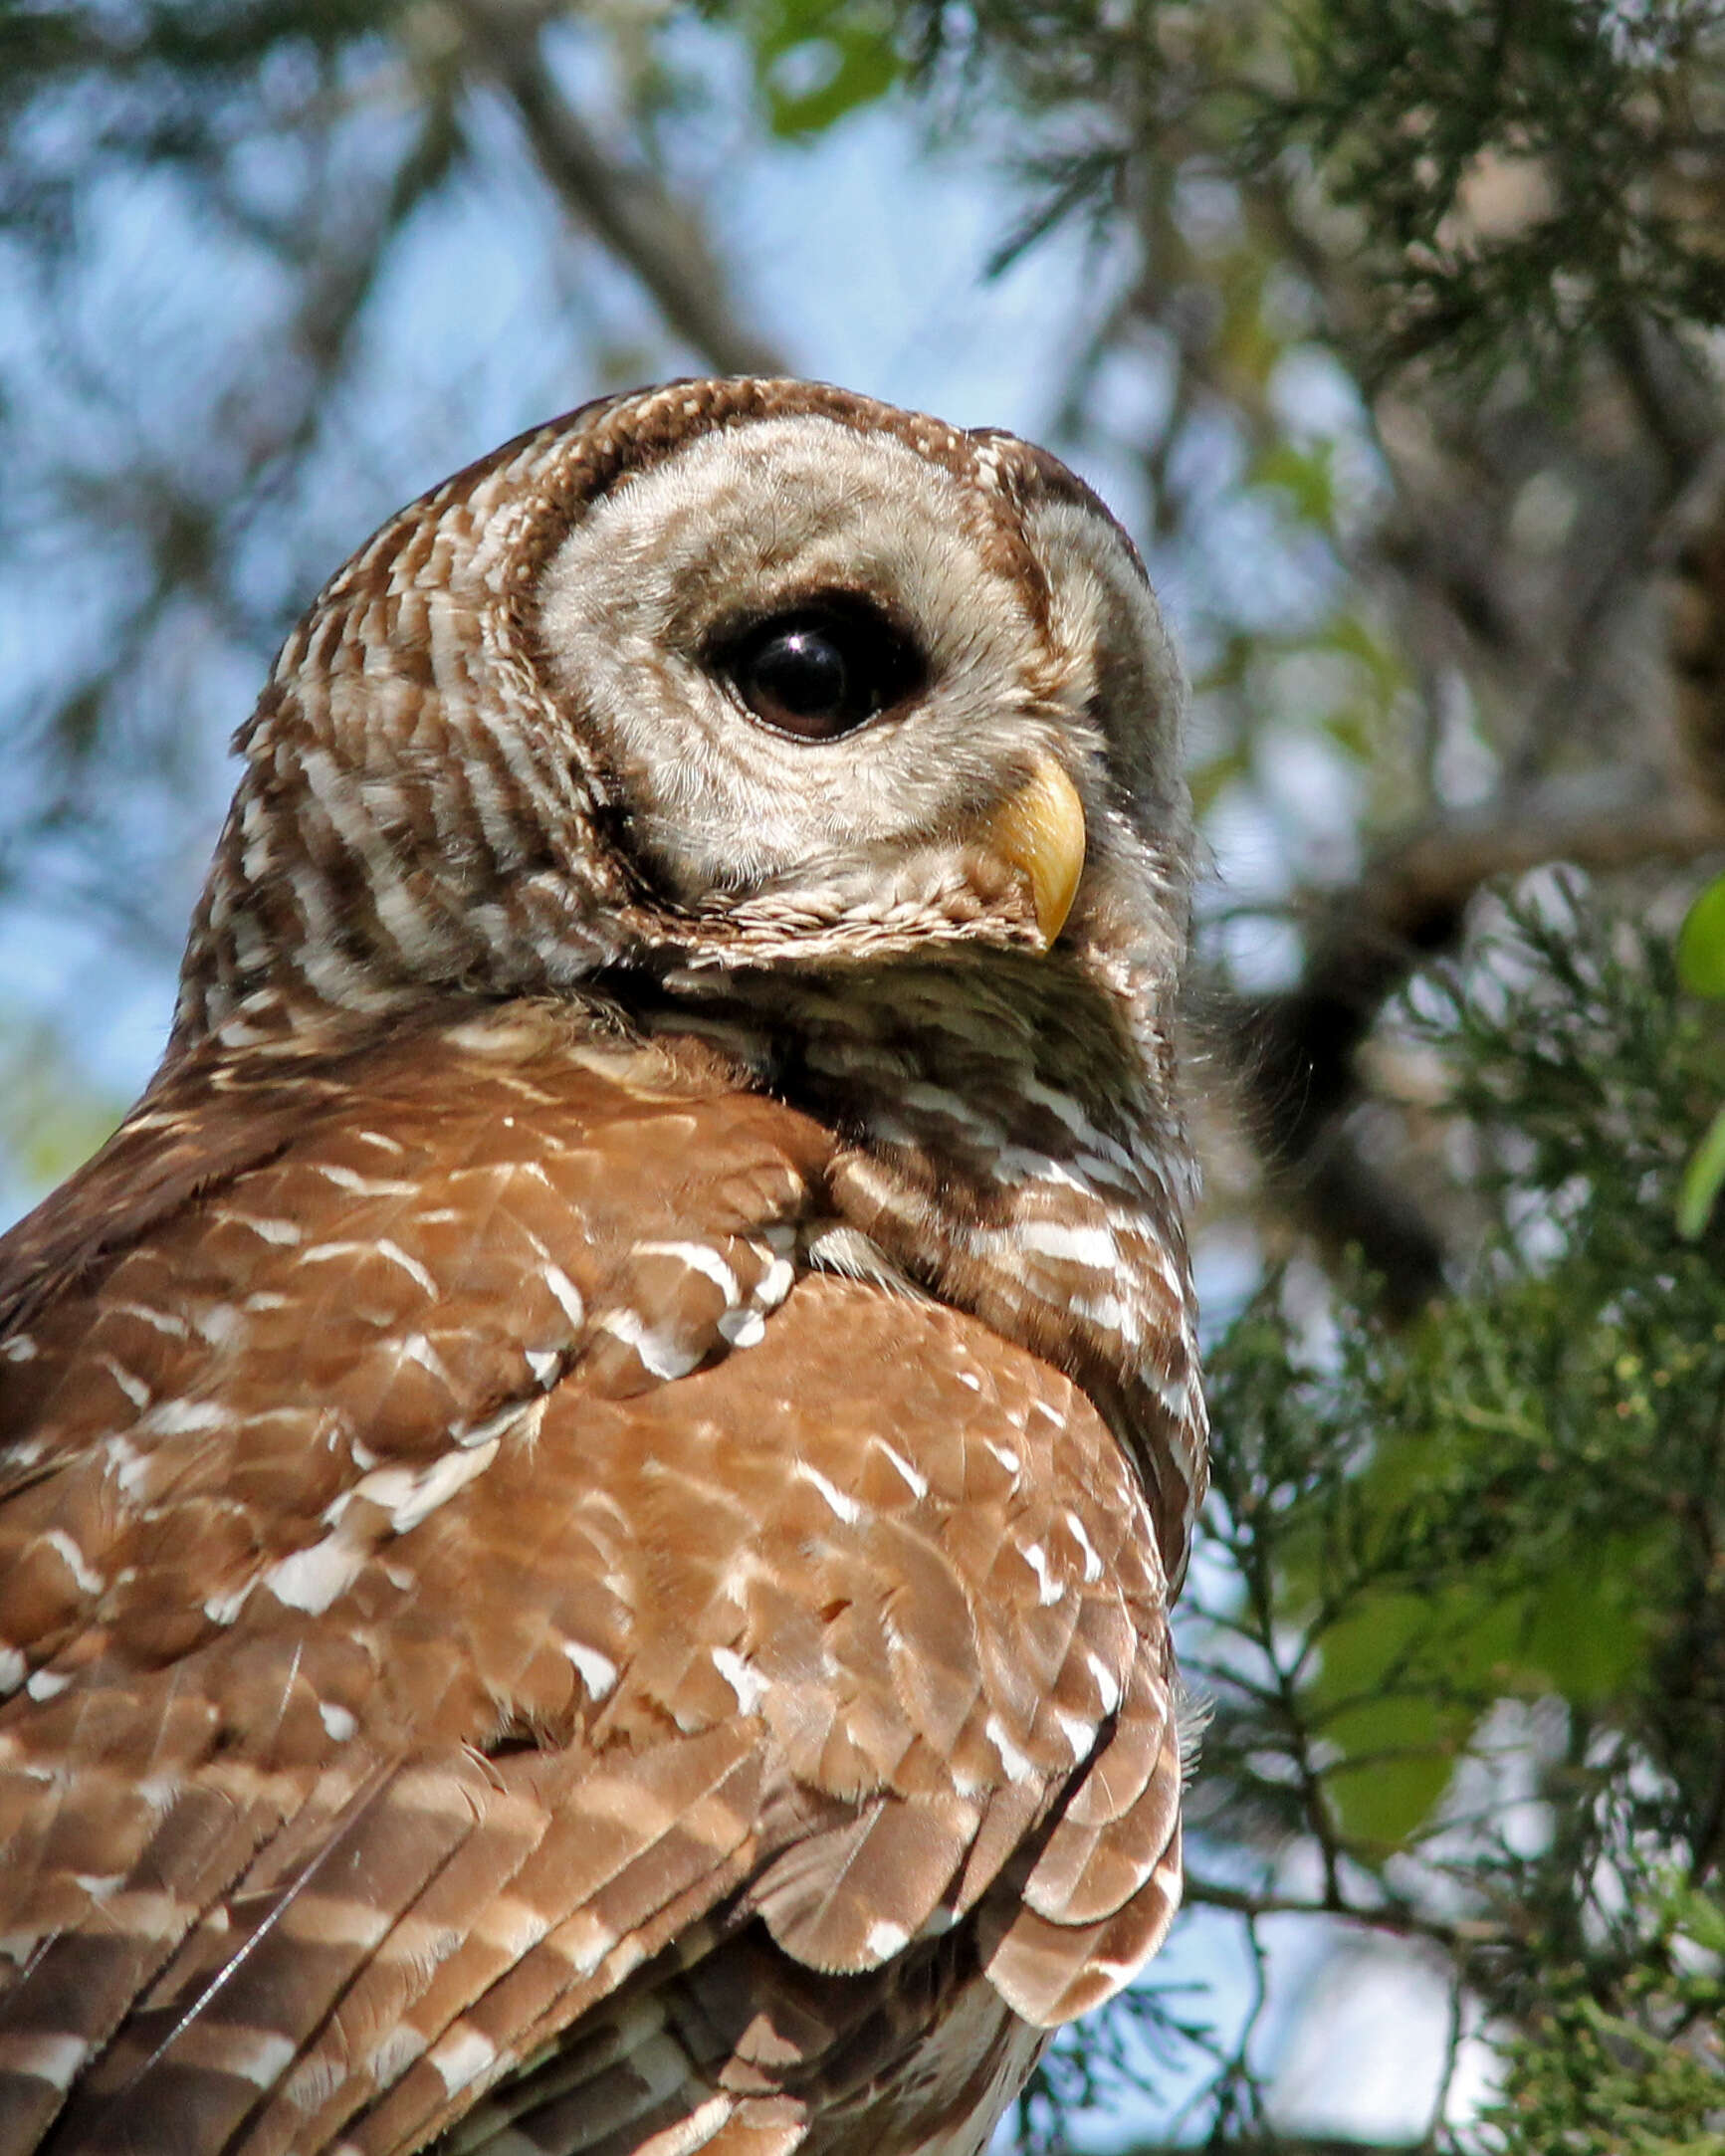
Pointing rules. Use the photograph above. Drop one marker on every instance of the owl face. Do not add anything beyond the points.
(744, 673)
(817, 682)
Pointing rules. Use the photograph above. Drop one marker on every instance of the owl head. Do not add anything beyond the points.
(713, 679)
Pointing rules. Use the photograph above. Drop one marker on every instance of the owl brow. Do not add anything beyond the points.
(854, 602)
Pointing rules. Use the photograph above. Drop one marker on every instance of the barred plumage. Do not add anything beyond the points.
(592, 1480)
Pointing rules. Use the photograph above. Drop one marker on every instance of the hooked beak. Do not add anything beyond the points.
(1039, 831)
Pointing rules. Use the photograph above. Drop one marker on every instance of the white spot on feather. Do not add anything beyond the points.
(53, 2058)
(567, 1294)
(338, 1721)
(885, 1940)
(1075, 1243)
(1104, 1311)
(347, 1178)
(952, 1106)
(391, 2055)
(512, 1414)
(845, 1508)
(1106, 1683)
(1048, 1589)
(462, 2056)
(742, 1676)
(286, 1234)
(310, 1579)
(597, 1672)
(133, 1387)
(1078, 1734)
(384, 1247)
(1092, 1562)
(217, 1323)
(1018, 1766)
(412, 1498)
(90, 1581)
(700, 1258)
(663, 1353)
(1064, 1109)
(223, 1609)
(162, 1321)
(917, 1484)
(416, 1348)
(258, 2056)
(180, 1418)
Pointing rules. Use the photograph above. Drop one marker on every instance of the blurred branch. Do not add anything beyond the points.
(1298, 1049)
(1396, 1917)
(630, 211)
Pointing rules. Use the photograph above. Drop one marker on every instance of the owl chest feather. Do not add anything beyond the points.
(968, 1163)
(455, 1480)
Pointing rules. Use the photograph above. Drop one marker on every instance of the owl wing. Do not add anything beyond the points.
(486, 1638)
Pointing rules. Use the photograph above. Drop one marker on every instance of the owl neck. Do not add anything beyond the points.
(1010, 1143)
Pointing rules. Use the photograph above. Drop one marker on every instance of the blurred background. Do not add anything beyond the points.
(1390, 327)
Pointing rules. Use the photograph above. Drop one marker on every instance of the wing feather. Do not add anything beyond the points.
(481, 1592)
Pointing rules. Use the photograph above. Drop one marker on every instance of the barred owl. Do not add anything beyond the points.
(592, 1480)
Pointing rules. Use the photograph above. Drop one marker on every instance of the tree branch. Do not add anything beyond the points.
(657, 237)
(1298, 1048)
(1405, 1923)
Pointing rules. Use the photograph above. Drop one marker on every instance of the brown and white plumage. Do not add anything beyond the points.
(591, 1482)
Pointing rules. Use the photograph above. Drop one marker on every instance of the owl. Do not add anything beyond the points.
(591, 1482)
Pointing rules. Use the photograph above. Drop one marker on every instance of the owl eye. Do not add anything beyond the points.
(820, 672)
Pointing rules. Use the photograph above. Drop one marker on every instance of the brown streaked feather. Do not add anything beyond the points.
(703, 1683)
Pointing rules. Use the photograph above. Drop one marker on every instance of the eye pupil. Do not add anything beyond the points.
(803, 671)
(820, 671)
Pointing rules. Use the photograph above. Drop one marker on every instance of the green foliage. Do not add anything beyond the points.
(1573, 113)
(1501, 1500)
(1626, 2069)
(1701, 966)
(1488, 1544)
(1701, 943)
(1527, 179)
(817, 60)
(51, 1118)
(1701, 1180)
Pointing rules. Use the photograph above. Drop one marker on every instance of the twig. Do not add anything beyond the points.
(1463, 1934)
(1298, 1048)
(630, 210)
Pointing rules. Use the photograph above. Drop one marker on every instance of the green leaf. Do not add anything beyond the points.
(817, 60)
(1306, 475)
(1701, 943)
(1701, 1180)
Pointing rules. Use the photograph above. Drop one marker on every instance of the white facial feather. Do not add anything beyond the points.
(740, 525)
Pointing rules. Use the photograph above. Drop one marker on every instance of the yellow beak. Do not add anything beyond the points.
(1039, 830)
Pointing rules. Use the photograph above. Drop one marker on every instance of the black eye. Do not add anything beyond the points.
(820, 672)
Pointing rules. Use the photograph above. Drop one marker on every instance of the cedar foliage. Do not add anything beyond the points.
(1461, 1604)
